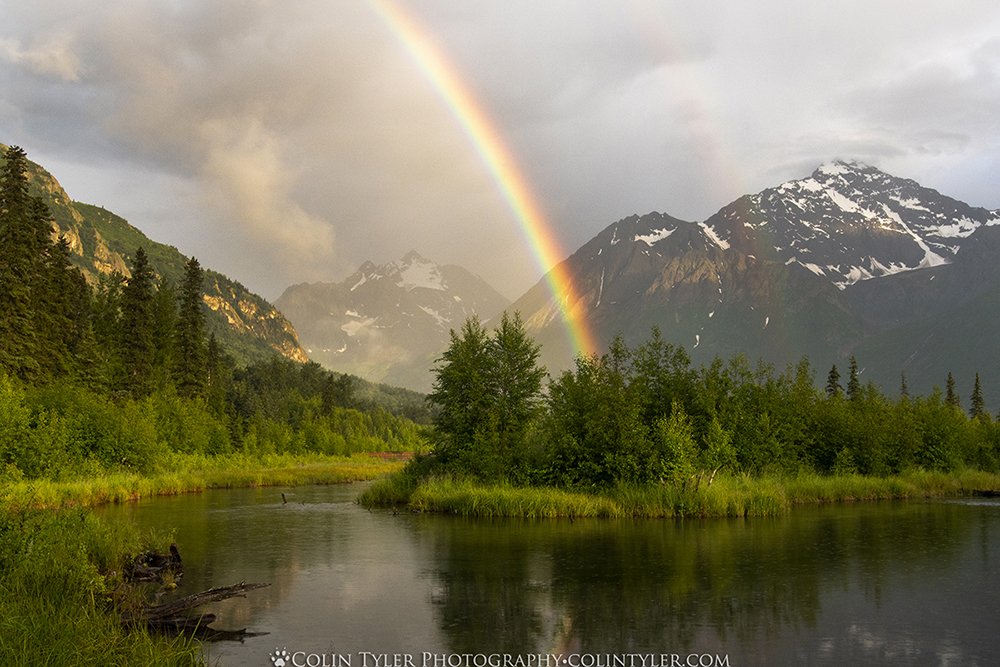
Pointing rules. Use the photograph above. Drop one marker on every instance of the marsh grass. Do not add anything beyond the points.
(729, 496)
(464, 497)
(187, 473)
(59, 573)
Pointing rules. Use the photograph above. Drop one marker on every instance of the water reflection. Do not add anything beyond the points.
(909, 583)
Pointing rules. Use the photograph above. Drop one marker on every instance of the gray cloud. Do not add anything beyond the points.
(283, 142)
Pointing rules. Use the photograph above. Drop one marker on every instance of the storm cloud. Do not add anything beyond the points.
(283, 142)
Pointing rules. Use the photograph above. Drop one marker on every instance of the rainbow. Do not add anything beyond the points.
(501, 165)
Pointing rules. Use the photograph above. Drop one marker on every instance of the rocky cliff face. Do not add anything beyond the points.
(103, 243)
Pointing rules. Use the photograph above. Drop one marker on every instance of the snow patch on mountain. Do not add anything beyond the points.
(961, 228)
(713, 236)
(441, 320)
(354, 327)
(654, 236)
(420, 273)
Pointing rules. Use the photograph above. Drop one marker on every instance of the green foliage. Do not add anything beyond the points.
(488, 389)
(643, 415)
(59, 573)
(678, 454)
(190, 363)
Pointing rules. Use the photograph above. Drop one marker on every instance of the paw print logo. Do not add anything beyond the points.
(280, 657)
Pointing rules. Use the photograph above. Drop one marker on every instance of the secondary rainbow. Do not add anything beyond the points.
(504, 170)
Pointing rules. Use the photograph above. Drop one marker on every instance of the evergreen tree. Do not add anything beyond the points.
(977, 409)
(164, 311)
(216, 376)
(19, 269)
(951, 396)
(853, 384)
(833, 382)
(904, 391)
(189, 369)
(136, 327)
(69, 335)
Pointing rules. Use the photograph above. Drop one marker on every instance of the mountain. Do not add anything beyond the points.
(849, 260)
(246, 325)
(388, 323)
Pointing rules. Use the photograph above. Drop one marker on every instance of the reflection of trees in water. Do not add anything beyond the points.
(695, 586)
(491, 585)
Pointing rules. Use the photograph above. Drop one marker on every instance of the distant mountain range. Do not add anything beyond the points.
(849, 260)
(247, 326)
(388, 323)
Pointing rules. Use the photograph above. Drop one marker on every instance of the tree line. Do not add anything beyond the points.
(119, 373)
(645, 414)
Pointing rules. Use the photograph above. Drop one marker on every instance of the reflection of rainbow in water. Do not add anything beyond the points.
(501, 165)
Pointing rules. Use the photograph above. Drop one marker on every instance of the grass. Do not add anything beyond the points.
(729, 496)
(187, 473)
(59, 572)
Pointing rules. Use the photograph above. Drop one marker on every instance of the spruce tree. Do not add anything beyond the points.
(19, 262)
(904, 390)
(853, 384)
(189, 368)
(136, 327)
(833, 382)
(951, 396)
(164, 311)
(977, 409)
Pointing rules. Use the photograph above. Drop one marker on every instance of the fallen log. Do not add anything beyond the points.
(170, 615)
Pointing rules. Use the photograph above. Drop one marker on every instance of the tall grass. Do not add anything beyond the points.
(456, 496)
(729, 496)
(184, 473)
(59, 572)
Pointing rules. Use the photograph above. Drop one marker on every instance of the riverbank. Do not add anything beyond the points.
(192, 473)
(60, 566)
(728, 496)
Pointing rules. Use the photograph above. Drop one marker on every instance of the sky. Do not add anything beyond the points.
(289, 141)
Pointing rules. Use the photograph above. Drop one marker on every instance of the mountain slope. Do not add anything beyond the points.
(247, 326)
(388, 323)
(847, 260)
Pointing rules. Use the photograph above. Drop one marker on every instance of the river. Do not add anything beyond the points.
(883, 583)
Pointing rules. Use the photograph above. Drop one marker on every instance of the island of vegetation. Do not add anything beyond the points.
(640, 432)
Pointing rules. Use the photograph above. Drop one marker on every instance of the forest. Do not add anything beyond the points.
(115, 376)
(644, 415)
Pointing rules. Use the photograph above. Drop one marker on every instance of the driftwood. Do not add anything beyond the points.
(173, 616)
(174, 608)
(170, 614)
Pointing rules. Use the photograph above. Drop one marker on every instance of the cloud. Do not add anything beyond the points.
(248, 180)
(292, 141)
(53, 57)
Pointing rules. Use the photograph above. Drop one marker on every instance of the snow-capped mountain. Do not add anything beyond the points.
(814, 267)
(388, 323)
(850, 222)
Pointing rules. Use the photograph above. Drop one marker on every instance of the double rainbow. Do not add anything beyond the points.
(489, 145)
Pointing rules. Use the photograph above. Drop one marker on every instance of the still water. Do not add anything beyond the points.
(891, 583)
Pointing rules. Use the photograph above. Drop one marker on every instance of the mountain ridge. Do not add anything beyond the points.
(811, 267)
(102, 243)
(388, 322)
